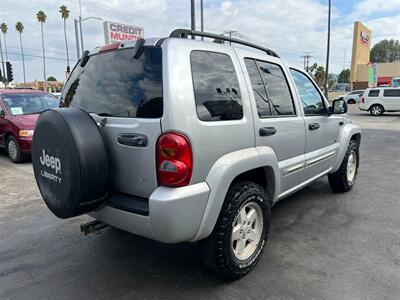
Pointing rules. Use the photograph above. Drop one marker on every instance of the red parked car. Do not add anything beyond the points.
(19, 110)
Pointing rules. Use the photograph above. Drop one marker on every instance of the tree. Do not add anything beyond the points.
(385, 51)
(41, 16)
(51, 78)
(64, 15)
(344, 76)
(318, 73)
(20, 28)
(4, 29)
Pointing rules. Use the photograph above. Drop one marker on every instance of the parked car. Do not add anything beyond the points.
(182, 140)
(380, 99)
(19, 110)
(353, 97)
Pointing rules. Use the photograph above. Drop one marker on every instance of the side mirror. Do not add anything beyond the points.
(339, 106)
(2, 114)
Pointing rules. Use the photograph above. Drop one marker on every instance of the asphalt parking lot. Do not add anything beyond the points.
(322, 245)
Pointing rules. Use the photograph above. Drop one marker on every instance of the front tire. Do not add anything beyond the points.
(376, 110)
(237, 242)
(344, 179)
(14, 151)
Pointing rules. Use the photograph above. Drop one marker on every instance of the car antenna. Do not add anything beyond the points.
(138, 49)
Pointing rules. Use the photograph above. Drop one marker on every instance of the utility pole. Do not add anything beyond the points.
(230, 33)
(192, 17)
(306, 60)
(201, 18)
(327, 51)
(344, 59)
(80, 26)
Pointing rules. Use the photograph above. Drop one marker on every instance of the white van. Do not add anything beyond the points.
(380, 99)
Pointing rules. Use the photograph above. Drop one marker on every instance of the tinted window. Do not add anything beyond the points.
(311, 99)
(260, 94)
(391, 93)
(115, 84)
(373, 93)
(216, 87)
(278, 92)
(22, 104)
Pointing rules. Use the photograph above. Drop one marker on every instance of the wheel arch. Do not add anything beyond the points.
(254, 164)
(348, 132)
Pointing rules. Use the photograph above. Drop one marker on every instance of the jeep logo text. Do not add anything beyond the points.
(51, 162)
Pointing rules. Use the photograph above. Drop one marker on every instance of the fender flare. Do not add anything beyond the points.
(221, 176)
(345, 135)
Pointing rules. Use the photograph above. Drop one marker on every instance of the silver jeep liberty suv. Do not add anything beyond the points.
(182, 140)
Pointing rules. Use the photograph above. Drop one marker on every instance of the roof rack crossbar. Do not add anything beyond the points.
(184, 33)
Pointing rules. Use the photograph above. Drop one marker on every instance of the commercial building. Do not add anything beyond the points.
(363, 73)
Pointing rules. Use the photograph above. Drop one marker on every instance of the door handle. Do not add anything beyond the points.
(265, 131)
(313, 126)
(132, 139)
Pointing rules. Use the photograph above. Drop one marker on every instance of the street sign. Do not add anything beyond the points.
(117, 32)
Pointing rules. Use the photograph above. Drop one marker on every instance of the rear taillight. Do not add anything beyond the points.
(174, 160)
(362, 100)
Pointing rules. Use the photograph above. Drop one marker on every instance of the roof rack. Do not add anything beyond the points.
(184, 33)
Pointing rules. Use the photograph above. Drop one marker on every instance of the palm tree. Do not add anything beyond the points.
(41, 16)
(20, 28)
(4, 29)
(64, 15)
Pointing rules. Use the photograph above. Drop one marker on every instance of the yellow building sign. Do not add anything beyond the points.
(361, 48)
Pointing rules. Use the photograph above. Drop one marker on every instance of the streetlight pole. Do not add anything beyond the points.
(327, 51)
(79, 44)
(201, 18)
(192, 17)
(80, 25)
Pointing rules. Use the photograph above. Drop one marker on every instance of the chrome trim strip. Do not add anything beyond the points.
(297, 187)
(292, 169)
(320, 158)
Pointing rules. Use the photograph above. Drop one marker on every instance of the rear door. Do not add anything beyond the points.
(278, 121)
(124, 96)
(391, 97)
(322, 128)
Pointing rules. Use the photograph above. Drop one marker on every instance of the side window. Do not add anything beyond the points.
(373, 93)
(260, 95)
(310, 97)
(270, 87)
(216, 87)
(391, 93)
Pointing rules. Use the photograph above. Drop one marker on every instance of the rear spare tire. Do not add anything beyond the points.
(69, 161)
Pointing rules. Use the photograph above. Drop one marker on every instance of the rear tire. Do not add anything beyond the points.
(376, 110)
(237, 242)
(14, 151)
(344, 179)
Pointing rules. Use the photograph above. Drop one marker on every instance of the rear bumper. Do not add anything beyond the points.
(174, 216)
(363, 107)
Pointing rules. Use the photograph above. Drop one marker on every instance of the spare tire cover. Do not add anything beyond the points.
(69, 161)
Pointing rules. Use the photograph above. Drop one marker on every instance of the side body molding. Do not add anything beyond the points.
(221, 175)
(344, 138)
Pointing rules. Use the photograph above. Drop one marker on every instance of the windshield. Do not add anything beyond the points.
(25, 104)
(116, 84)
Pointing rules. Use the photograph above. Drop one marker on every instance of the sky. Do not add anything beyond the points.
(290, 27)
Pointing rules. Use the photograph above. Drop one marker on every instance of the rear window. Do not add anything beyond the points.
(373, 93)
(117, 85)
(391, 93)
(216, 87)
